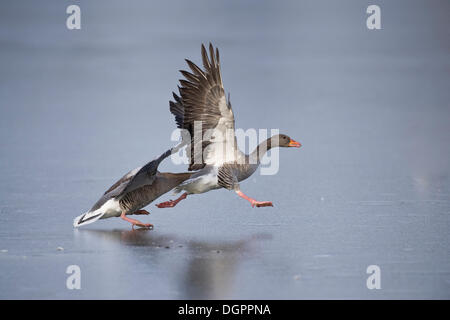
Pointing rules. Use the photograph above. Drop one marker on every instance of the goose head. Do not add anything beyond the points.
(282, 140)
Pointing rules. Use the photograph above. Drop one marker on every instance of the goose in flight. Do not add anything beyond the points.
(202, 110)
(132, 192)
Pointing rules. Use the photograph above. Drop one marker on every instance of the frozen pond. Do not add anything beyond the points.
(370, 186)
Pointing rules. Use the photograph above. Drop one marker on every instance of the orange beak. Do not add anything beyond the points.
(294, 143)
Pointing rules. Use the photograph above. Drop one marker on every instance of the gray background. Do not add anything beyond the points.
(369, 186)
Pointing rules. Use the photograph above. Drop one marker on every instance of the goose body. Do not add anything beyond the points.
(202, 181)
(207, 179)
(133, 191)
(202, 109)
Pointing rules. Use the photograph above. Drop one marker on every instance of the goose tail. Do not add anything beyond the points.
(87, 218)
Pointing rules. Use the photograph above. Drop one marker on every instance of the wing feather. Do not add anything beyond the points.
(226, 177)
(132, 180)
(202, 101)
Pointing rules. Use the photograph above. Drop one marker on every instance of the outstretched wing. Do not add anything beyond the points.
(146, 175)
(204, 111)
(132, 180)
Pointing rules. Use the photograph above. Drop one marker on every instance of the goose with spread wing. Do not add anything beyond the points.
(202, 110)
(132, 192)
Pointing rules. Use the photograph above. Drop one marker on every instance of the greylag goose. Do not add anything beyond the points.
(202, 107)
(132, 192)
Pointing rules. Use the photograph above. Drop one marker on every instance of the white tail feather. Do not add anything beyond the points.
(87, 218)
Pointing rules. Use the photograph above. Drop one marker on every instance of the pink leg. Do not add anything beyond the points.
(172, 203)
(253, 202)
(135, 222)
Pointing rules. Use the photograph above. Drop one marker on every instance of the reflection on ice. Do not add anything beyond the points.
(204, 269)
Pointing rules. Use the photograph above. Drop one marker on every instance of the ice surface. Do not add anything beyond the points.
(371, 184)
